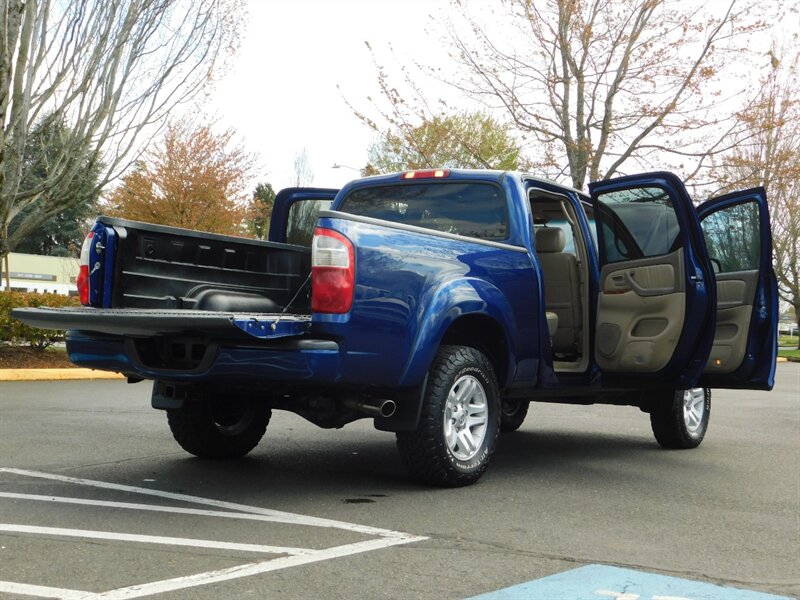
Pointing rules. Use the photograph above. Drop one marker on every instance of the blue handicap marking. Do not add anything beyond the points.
(599, 582)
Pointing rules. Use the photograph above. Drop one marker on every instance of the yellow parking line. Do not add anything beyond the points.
(55, 374)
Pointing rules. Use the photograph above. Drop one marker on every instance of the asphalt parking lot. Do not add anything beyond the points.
(96, 498)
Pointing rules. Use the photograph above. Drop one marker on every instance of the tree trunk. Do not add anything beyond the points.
(797, 322)
(4, 252)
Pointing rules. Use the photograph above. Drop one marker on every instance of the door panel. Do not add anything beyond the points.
(640, 313)
(655, 305)
(738, 238)
(735, 295)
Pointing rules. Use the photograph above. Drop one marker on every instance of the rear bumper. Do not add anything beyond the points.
(288, 360)
(191, 346)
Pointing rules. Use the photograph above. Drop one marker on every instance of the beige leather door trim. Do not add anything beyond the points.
(735, 296)
(640, 313)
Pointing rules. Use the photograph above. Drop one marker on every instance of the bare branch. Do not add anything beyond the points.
(112, 72)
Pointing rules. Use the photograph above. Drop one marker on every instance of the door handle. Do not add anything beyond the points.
(642, 291)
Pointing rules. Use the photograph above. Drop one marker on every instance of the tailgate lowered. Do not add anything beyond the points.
(134, 322)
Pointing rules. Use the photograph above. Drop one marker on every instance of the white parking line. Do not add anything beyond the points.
(143, 507)
(277, 515)
(150, 539)
(297, 556)
(169, 585)
(41, 591)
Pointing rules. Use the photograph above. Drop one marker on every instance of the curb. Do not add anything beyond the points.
(56, 374)
(91, 374)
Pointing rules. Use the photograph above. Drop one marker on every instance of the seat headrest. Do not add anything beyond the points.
(550, 239)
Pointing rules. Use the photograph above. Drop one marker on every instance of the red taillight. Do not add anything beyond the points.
(83, 273)
(332, 272)
(431, 174)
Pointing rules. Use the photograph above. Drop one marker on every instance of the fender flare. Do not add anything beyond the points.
(446, 304)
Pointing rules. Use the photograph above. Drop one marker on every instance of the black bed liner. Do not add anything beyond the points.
(160, 267)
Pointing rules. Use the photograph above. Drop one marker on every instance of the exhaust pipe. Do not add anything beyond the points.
(378, 408)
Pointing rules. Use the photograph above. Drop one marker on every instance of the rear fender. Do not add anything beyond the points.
(444, 306)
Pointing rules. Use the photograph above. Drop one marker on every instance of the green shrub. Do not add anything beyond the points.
(787, 340)
(16, 332)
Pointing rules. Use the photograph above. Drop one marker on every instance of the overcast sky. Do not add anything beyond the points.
(281, 93)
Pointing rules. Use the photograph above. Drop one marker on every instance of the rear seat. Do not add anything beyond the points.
(561, 289)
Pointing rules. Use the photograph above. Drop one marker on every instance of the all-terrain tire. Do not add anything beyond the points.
(680, 419)
(512, 414)
(219, 427)
(460, 420)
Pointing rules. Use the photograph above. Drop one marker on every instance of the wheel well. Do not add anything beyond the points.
(485, 334)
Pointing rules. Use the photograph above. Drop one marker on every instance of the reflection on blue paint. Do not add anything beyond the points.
(599, 582)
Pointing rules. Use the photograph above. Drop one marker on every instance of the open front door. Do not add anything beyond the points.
(656, 298)
(739, 243)
(295, 212)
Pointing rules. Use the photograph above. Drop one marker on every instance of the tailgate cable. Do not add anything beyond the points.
(274, 324)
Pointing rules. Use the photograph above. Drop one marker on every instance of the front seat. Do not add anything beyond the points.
(561, 289)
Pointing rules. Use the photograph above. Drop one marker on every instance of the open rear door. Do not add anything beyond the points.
(739, 244)
(656, 298)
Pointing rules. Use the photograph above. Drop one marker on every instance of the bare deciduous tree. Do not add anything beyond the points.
(595, 84)
(303, 174)
(767, 153)
(111, 71)
(601, 82)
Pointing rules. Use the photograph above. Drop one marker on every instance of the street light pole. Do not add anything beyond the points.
(341, 166)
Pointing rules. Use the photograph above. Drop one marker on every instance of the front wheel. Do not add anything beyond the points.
(220, 426)
(680, 420)
(460, 420)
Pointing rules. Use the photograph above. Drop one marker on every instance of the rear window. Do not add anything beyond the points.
(475, 210)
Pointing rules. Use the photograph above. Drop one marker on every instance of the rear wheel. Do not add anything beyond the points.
(680, 420)
(512, 413)
(219, 427)
(460, 420)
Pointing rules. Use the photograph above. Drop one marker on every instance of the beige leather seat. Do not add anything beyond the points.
(561, 289)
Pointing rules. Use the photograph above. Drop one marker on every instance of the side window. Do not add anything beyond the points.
(637, 223)
(303, 216)
(732, 238)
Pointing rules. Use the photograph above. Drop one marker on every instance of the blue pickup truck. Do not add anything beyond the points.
(438, 303)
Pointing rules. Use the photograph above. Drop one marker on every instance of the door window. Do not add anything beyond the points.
(732, 238)
(303, 216)
(637, 223)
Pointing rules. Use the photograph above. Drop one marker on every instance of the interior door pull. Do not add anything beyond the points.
(642, 291)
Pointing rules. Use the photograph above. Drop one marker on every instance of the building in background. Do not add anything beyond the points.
(33, 273)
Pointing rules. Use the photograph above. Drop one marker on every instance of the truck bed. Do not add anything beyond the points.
(161, 267)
